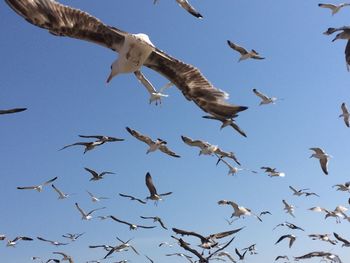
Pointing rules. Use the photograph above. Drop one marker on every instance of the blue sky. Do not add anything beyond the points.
(62, 83)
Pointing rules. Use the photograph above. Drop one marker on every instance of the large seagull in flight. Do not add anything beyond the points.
(134, 51)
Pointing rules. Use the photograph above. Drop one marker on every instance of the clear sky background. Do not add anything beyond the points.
(62, 83)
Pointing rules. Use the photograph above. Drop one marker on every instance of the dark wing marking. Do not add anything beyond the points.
(194, 86)
(62, 20)
(236, 47)
(149, 183)
(133, 198)
(12, 110)
(140, 136)
(166, 150)
(186, 5)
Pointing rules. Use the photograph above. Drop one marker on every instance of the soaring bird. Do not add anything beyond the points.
(84, 215)
(321, 254)
(55, 243)
(245, 54)
(227, 122)
(131, 226)
(288, 208)
(238, 211)
(102, 138)
(61, 195)
(153, 195)
(323, 237)
(345, 114)
(95, 198)
(186, 5)
(121, 247)
(289, 225)
(39, 187)
(135, 50)
(335, 8)
(232, 170)
(322, 156)
(291, 239)
(209, 149)
(343, 187)
(9, 111)
(95, 175)
(73, 237)
(264, 99)
(272, 172)
(207, 242)
(345, 34)
(158, 144)
(133, 198)
(12, 243)
(155, 219)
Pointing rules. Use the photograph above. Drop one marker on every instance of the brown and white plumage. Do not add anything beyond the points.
(84, 215)
(322, 156)
(345, 114)
(12, 243)
(335, 8)
(238, 211)
(153, 145)
(95, 175)
(39, 188)
(153, 195)
(55, 243)
(209, 149)
(324, 255)
(134, 51)
(244, 53)
(9, 111)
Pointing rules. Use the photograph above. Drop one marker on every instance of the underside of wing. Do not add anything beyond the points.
(149, 183)
(194, 86)
(63, 20)
(139, 136)
(166, 150)
(236, 47)
(197, 143)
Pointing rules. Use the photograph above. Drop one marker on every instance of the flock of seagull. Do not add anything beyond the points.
(135, 51)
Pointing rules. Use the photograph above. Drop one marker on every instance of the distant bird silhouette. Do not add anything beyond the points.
(335, 8)
(38, 188)
(245, 54)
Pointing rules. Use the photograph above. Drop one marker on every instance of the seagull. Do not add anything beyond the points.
(155, 95)
(96, 176)
(288, 208)
(209, 149)
(244, 53)
(335, 8)
(323, 237)
(39, 187)
(227, 122)
(55, 243)
(337, 213)
(232, 170)
(289, 225)
(95, 198)
(12, 243)
(167, 244)
(152, 189)
(73, 237)
(343, 187)
(264, 99)
(153, 145)
(207, 242)
(291, 239)
(65, 257)
(61, 195)
(133, 198)
(345, 114)
(302, 192)
(238, 211)
(155, 219)
(345, 34)
(84, 215)
(323, 157)
(102, 138)
(9, 111)
(272, 172)
(2, 237)
(105, 247)
(186, 5)
(345, 242)
(121, 247)
(324, 255)
(131, 226)
(135, 50)
(264, 213)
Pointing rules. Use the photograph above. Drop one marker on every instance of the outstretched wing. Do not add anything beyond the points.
(166, 150)
(236, 47)
(186, 5)
(140, 136)
(197, 143)
(193, 85)
(260, 95)
(149, 183)
(61, 20)
(12, 110)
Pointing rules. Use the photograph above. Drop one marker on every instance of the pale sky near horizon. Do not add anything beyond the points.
(62, 82)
